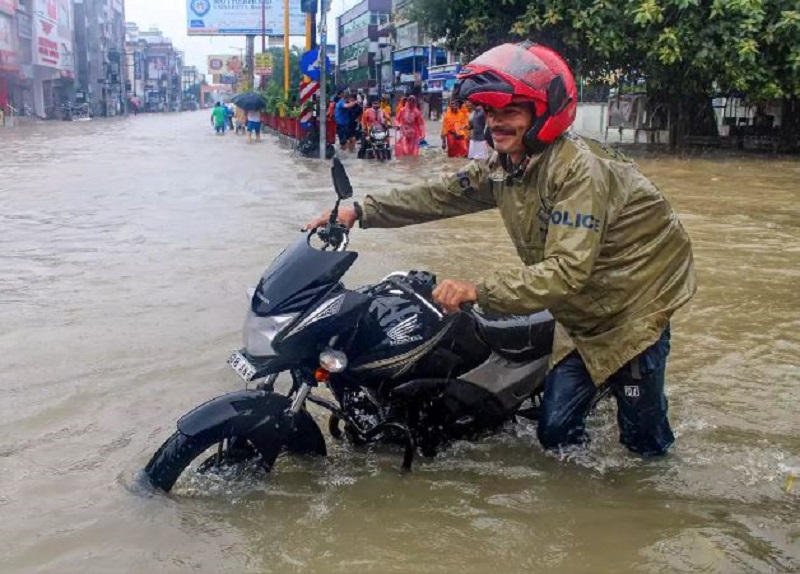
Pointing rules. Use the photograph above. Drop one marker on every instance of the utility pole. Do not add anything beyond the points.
(286, 49)
(323, 77)
(250, 60)
(264, 35)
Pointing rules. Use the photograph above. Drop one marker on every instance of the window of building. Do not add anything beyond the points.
(355, 24)
(379, 19)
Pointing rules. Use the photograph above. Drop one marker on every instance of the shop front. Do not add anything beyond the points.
(9, 61)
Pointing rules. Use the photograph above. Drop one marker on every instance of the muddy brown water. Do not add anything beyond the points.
(126, 248)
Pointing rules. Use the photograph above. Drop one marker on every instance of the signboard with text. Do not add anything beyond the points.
(45, 42)
(241, 17)
(47, 9)
(263, 64)
(138, 65)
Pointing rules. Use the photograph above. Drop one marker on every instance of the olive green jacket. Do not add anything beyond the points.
(602, 248)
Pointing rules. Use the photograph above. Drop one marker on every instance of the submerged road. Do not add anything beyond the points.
(126, 247)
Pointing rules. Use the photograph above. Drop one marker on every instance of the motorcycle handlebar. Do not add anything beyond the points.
(335, 235)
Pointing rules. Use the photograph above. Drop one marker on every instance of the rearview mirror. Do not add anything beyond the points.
(341, 183)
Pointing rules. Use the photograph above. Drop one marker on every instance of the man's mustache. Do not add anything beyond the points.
(503, 131)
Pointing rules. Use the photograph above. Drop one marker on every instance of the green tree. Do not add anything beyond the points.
(275, 85)
(686, 50)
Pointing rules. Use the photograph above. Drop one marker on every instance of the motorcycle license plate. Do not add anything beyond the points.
(242, 366)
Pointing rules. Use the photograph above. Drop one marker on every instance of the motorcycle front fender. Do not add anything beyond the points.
(238, 411)
(259, 415)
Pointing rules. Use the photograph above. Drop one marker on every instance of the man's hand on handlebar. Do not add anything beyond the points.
(347, 217)
(451, 294)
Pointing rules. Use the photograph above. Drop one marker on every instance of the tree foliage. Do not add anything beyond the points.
(275, 83)
(681, 47)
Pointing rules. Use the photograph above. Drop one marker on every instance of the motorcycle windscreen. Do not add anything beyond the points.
(298, 276)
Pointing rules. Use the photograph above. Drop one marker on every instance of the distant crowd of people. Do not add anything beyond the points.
(357, 119)
(462, 133)
(232, 117)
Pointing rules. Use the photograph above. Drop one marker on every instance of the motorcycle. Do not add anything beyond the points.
(309, 145)
(377, 144)
(399, 370)
(75, 113)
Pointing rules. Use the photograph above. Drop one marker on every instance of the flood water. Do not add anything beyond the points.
(126, 248)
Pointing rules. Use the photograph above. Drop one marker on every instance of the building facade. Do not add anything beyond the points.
(10, 57)
(358, 45)
(154, 70)
(55, 53)
(99, 61)
(412, 53)
(37, 70)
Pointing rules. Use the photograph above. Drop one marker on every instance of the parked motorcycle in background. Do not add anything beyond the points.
(398, 369)
(75, 112)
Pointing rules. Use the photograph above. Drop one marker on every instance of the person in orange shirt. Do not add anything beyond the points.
(455, 130)
(373, 116)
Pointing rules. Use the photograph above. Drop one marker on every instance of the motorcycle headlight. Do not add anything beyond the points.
(259, 332)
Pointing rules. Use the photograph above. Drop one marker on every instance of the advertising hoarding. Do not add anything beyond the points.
(240, 17)
(225, 64)
(156, 66)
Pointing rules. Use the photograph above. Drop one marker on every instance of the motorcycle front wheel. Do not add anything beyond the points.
(179, 451)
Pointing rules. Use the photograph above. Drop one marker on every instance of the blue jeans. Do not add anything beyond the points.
(641, 404)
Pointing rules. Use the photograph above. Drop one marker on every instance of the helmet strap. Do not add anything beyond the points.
(514, 171)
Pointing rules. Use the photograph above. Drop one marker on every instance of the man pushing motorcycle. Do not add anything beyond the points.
(601, 247)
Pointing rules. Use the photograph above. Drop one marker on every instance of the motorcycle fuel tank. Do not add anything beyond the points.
(398, 329)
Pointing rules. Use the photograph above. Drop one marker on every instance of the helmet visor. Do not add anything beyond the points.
(518, 62)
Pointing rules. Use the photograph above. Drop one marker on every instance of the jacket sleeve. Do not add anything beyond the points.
(467, 191)
(574, 236)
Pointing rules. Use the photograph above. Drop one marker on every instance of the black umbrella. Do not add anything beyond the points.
(250, 102)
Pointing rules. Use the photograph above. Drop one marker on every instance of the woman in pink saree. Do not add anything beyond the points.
(409, 129)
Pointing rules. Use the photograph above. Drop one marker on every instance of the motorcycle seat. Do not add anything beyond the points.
(518, 337)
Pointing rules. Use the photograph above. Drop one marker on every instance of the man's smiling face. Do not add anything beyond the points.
(508, 125)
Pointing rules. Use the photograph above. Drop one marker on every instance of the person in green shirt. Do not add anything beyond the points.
(219, 117)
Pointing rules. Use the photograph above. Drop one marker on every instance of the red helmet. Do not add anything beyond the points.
(524, 72)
